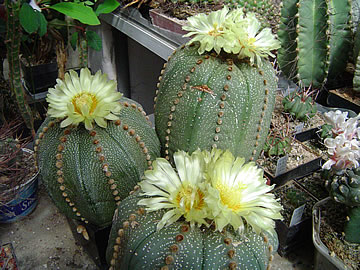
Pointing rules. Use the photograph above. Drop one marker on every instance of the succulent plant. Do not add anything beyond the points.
(218, 90)
(300, 105)
(277, 146)
(315, 40)
(93, 147)
(344, 187)
(173, 221)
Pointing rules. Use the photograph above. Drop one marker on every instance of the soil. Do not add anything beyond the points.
(333, 217)
(292, 196)
(280, 119)
(314, 184)
(298, 155)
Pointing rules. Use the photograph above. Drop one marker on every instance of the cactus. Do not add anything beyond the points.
(315, 40)
(87, 169)
(344, 187)
(300, 105)
(13, 41)
(277, 146)
(210, 98)
(138, 242)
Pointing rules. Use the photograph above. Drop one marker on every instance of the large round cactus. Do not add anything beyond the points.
(212, 212)
(212, 93)
(88, 168)
(315, 40)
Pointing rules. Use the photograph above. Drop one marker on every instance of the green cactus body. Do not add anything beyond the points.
(208, 101)
(135, 243)
(10, 153)
(315, 40)
(88, 172)
(345, 188)
(276, 146)
(300, 107)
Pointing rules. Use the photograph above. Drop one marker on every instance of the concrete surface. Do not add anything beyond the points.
(44, 240)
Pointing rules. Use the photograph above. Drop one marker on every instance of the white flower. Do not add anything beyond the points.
(343, 153)
(341, 124)
(254, 43)
(209, 30)
(180, 191)
(238, 195)
(86, 99)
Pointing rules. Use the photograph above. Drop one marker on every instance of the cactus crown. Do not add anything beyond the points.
(300, 104)
(210, 187)
(233, 33)
(345, 187)
(86, 99)
(278, 143)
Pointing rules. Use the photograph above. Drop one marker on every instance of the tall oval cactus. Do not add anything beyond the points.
(215, 95)
(175, 222)
(315, 40)
(87, 169)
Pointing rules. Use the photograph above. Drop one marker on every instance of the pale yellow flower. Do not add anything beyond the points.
(253, 43)
(85, 99)
(210, 30)
(238, 195)
(180, 191)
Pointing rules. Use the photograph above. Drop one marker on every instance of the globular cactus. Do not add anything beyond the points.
(89, 167)
(175, 229)
(344, 188)
(300, 105)
(277, 146)
(213, 94)
(315, 40)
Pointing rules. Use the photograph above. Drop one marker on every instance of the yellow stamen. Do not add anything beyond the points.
(84, 99)
(190, 198)
(230, 195)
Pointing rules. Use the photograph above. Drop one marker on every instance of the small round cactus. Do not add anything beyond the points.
(93, 147)
(277, 146)
(212, 212)
(344, 188)
(300, 105)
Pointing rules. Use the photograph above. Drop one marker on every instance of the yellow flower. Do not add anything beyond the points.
(88, 99)
(252, 43)
(238, 195)
(180, 191)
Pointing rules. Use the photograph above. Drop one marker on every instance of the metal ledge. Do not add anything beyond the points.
(131, 23)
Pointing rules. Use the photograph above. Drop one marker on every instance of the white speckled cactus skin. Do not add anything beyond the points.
(211, 100)
(135, 243)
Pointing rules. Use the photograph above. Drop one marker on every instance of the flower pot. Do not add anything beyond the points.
(298, 170)
(343, 98)
(325, 258)
(23, 199)
(296, 226)
(39, 78)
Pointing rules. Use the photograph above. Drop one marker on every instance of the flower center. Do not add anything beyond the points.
(84, 100)
(230, 196)
(216, 31)
(252, 41)
(189, 198)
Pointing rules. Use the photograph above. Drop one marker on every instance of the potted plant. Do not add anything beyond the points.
(342, 175)
(18, 175)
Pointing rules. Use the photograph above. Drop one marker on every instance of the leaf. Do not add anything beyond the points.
(74, 40)
(57, 24)
(42, 24)
(28, 18)
(107, 6)
(94, 40)
(77, 11)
